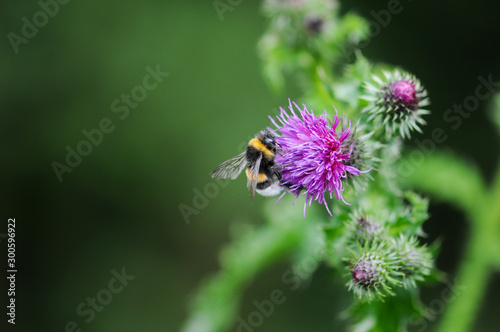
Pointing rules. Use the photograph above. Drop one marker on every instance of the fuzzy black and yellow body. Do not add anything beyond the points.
(263, 174)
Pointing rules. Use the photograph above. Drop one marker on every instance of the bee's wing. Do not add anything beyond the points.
(253, 176)
(230, 168)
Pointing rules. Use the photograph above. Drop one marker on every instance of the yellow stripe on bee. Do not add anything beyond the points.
(258, 145)
(260, 178)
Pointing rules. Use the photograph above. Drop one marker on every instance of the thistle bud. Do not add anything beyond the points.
(367, 230)
(374, 272)
(299, 6)
(364, 229)
(415, 261)
(396, 102)
(313, 25)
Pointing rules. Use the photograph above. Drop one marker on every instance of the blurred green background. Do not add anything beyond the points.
(119, 208)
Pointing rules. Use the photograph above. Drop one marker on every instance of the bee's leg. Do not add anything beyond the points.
(276, 169)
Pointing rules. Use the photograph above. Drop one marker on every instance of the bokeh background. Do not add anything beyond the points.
(120, 207)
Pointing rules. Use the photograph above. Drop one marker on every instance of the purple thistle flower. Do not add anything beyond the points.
(314, 158)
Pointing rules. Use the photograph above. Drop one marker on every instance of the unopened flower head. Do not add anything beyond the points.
(314, 25)
(415, 260)
(397, 101)
(314, 156)
(300, 5)
(367, 230)
(374, 273)
(299, 19)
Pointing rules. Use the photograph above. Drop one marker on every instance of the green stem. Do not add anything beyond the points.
(470, 286)
(479, 259)
(450, 178)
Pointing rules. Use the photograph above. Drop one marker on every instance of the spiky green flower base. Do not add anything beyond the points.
(396, 102)
(416, 261)
(374, 272)
(381, 263)
(365, 229)
(363, 151)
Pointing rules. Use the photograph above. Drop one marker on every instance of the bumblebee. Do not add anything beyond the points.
(263, 174)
